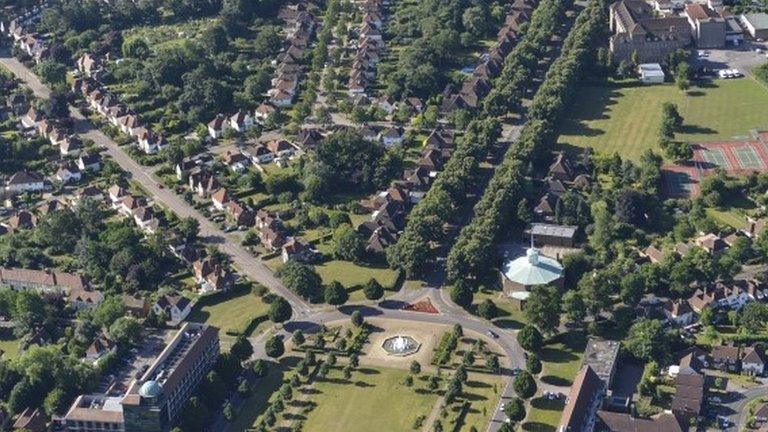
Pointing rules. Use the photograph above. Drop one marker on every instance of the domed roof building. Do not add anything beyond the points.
(529, 270)
(150, 389)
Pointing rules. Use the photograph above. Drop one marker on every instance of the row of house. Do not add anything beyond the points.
(211, 276)
(389, 207)
(24, 35)
(58, 135)
(562, 176)
(370, 47)
(299, 30)
(274, 237)
(477, 85)
(240, 121)
(72, 286)
(118, 115)
(388, 136)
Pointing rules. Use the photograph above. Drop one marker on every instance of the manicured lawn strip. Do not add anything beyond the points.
(255, 406)
(625, 117)
(482, 391)
(729, 217)
(374, 400)
(561, 359)
(230, 313)
(543, 415)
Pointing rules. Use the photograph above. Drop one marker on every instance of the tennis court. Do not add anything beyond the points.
(748, 158)
(715, 157)
(679, 181)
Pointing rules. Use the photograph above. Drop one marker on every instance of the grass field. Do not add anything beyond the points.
(562, 359)
(544, 415)
(375, 401)
(482, 392)
(255, 406)
(625, 118)
(230, 312)
(9, 347)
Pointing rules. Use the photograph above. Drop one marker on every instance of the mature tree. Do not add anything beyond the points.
(543, 308)
(357, 318)
(335, 294)
(461, 294)
(754, 317)
(298, 338)
(125, 330)
(524, 385)
(242, 348)
(487, 309)
(347, 244)
(515, 410)
(188, 229)
(274, 347)
(279, 310)
(108, 311)
(51, 72)
(647, 341)
(632, 288)
(301, 278)
(574, 307)
(373, 290)
(530, 338)
(533, 363)
(415, 368)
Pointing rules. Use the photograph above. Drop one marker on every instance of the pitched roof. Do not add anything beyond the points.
(586, 387)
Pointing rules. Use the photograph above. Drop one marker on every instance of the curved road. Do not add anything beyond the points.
(305, 316)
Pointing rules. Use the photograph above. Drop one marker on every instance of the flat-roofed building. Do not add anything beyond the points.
(153, 401)
(756, 24)
(552, 235)
(602, 355)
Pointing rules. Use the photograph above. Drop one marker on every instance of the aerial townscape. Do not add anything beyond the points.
(383, 215)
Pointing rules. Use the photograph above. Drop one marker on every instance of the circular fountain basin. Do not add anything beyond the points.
(401, 345)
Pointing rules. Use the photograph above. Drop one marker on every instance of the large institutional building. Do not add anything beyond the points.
(638, 30)
(153, 401)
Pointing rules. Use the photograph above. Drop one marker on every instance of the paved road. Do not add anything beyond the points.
(242, 260)
(306, 316)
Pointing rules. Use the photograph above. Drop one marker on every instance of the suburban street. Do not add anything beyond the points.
(242, 260)
(306, 317)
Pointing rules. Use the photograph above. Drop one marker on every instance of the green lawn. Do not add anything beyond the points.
(561, 359)
(625, 117)
(729, 217)
(10, 347)
(255, 406)
(229, 312)
(509, 317)
(375, 400)
(543, 415)
(482, 392)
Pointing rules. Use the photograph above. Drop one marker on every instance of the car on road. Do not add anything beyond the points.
(715, 399)
(516, 371)
(492, 334)
(161, 186)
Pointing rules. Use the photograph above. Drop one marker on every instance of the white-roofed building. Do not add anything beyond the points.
(529, 270)
(651, 73)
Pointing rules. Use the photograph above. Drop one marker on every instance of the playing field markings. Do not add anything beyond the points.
(748, 157)
(715, 157)
(678, 183)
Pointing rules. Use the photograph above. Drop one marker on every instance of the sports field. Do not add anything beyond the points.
(625, 117)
